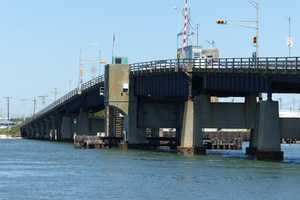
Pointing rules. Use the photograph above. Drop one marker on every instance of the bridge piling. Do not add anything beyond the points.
(66, 128)
(136, 135)
(191, 132)
(269, 137)
(83, 123)
(252, 112)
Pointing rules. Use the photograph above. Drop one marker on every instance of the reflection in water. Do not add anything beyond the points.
(41, 170)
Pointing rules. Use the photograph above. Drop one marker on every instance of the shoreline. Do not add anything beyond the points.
(9, 137)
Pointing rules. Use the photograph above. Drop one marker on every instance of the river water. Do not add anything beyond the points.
(36, 170)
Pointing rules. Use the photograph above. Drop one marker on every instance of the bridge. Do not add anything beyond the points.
(177, 93)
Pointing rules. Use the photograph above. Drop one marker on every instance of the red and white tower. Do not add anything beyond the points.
(186, 28)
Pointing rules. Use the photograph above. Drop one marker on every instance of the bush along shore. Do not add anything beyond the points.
(10, 132)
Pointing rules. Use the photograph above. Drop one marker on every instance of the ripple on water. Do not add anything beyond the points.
(41, 170)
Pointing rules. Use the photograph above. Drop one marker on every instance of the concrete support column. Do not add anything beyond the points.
(251, 107)
(83, 125)
(269, 137)
(66, 128)
(30, 132)
(191, 132)
(47, 128)
(35, 131)
(42, 130)
(54, 129)
(38, 130)
(58, 121)
(136, 135)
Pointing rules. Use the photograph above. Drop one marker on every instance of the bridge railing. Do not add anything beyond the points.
(77, 91)
(267, 64)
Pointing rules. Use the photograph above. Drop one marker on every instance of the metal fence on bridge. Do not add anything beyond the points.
(282, 65)
(76, 92)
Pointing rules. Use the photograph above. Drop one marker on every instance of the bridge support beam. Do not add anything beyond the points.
(269, 138)
(191, 132)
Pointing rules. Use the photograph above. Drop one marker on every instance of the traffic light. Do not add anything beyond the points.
(254, 41)
(221, 21)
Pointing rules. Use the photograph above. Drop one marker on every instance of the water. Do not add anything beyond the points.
(36, 170)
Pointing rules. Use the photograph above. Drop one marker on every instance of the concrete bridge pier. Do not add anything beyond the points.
(48, 128)
(252, 112)
(191, 132)
(38, 131)
(54, 128)
(83, 123)
(30, 131)
(136, 135)
(269, 137)
(42, 130)
(66, 128)
(34, 131)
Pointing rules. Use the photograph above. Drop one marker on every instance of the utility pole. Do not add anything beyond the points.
(113, 48)
(70, 85)
(55, 93)
(8, 108)
(34, 105)
(24, 100)
(81, 70)
(197, 35)
(256, 5)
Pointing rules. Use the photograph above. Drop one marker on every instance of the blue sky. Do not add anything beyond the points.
(40, 40)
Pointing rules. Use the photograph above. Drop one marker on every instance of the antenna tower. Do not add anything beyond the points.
(186, 28)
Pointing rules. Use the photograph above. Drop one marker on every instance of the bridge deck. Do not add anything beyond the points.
(72, 94)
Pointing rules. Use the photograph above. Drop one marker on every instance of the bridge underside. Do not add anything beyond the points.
(78, 115)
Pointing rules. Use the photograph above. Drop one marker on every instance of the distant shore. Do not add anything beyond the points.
(9, 137)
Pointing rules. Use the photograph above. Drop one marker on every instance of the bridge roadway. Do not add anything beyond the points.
(177, 94)
(53, 122)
